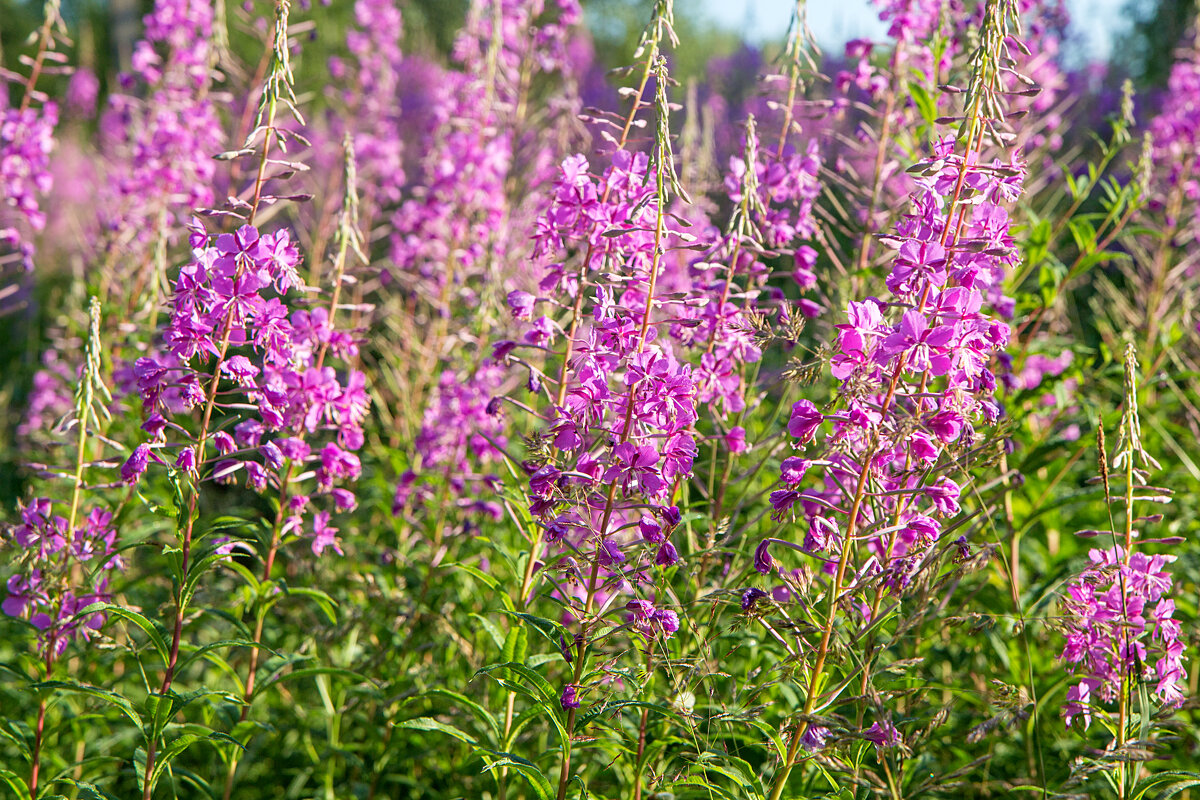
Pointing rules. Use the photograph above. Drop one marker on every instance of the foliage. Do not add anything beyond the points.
(407, 404)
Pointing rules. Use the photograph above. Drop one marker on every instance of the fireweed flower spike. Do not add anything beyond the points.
(918, 384)
(26, 142)
(1120, 616)
(279, 395)
(160, 146)
(66, 562)
(620, 427)
(452, 232)
(457, 233)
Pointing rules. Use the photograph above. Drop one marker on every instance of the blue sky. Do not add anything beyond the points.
(835, 21)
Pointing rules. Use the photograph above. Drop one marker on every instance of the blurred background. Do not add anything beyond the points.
(1131, 38)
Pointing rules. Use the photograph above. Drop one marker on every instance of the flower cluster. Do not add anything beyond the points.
(457, 220)
(1120, 621)
(462, 427)
(773, 196)
(374, 43)
(1175, 133)
(26, 142)
(622, 425)
(916, 385)
(231, 296)
(161, 143)
(64, 570)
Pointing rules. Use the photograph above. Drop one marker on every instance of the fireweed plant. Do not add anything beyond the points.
(508, 427)
(27, 121)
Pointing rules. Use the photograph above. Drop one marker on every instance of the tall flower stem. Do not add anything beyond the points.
(950, 233)
(271, 106)
(347, 236)
(38, 734)
(610, 500)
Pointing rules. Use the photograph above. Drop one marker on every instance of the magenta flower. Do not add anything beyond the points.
(135, 466)
(324, 535)
(804, 421)
(763, 562)
(920, 346)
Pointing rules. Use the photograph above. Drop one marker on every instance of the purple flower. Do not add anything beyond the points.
(609, 554)
(762, 558)
(671, 516)
(521, 304)
(750, 599)
(883, 735)
(186, 460)
(667, 556)
(324, 535)
(569, 697)
(804, 421)
(814, 738)
(944, 495)
(923, 347)
(667, 620)
(136, 464)
(792, 470)
(651, 531)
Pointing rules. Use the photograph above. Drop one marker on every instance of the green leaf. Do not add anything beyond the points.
(431, 724)
(88, 791)
(464, 702)
(492, 630)
(326, 603)
(112, 698)
(537, 779)
(479, 574)
(924, 101)
(18, 741)
(550, 630)
(543, 687)
(181, 743)
(224, 643)
(515, 644)
(241, 569)
(14, 782)
(148, 627)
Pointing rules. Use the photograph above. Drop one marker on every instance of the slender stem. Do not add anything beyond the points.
(641, 747)
(44, 39)
(38, 734)
(522, 603)
(201, 442)
(1123, 709)
(609, 504)
(826, 634)
(974, 139)
(37, 749)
